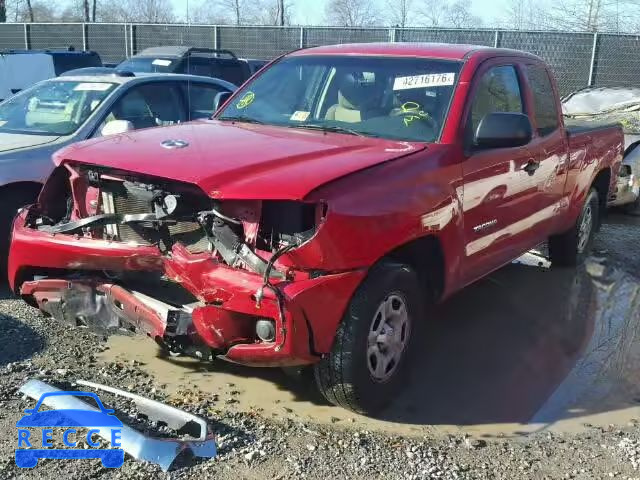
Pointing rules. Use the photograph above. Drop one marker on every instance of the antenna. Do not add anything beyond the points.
(188, 64)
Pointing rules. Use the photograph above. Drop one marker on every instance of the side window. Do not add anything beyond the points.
(234, 71)
(544, 99)
(150, 105)
(199, 66)
(201, 98)
(498, 91)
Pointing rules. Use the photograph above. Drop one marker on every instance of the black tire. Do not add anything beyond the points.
(343, 376)
(571, 248)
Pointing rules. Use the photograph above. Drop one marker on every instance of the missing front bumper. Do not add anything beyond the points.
(224, 318)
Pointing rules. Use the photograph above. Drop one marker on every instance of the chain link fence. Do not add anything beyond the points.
(578, 59)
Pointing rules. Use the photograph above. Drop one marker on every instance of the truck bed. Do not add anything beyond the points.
(577, 127)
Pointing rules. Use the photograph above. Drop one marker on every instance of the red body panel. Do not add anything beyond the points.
(248, 161)
(481, 208)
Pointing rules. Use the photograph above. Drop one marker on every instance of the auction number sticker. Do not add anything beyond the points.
(421, 81)
(161, 62)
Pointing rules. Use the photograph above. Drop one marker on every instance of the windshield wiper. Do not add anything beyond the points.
(329, 128)
(241, 118)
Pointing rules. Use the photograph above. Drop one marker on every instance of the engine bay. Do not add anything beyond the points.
(117, 206)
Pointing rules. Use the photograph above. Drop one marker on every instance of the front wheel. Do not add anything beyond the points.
(368, 363)
(572, 247)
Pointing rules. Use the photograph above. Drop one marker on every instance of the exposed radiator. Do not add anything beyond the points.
(119, 199)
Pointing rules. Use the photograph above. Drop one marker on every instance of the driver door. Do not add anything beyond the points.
(499, 198)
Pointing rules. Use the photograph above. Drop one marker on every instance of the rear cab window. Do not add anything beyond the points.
(544, 99)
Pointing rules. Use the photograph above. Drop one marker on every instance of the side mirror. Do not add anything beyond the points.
(503, 130)
(220, 99)
(114, 127)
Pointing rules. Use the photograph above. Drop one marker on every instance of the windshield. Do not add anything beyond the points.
(52, 108)
(149, 65)
(395, 98)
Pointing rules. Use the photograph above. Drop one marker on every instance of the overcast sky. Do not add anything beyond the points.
(312, 11)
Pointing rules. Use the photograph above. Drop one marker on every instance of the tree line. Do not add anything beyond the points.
(562, 15)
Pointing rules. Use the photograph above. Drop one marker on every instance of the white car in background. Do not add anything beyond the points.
(613, 105)
(20, 69)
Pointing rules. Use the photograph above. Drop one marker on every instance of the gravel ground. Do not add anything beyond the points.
(252, 446)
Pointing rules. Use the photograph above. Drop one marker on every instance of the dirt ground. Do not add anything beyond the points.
(533, 372)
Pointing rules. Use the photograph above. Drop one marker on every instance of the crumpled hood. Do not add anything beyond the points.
(240, 161)
(14, 141)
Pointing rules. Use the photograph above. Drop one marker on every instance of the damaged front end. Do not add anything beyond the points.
(111, 249)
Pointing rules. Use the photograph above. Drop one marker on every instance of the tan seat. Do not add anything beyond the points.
(357, 100)
(343, 111)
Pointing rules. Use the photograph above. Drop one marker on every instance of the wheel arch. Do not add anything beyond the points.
(25, 186)
(602, 184)
(425, 255)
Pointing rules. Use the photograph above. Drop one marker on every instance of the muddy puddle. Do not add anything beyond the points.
(526, 349)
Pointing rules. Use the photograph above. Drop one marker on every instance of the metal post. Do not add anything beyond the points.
(85, 43)
(301, 37)
(27, 36)
(126, 42)
(496, 39)
(215, 36)
(594, 54)
(132, 39)
(392, 35)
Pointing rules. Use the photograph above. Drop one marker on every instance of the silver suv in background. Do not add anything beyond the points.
(56, 112)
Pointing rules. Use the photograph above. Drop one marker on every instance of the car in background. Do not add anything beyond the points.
(207, 62)
(19, 69)
(602, 105)
(64, 110)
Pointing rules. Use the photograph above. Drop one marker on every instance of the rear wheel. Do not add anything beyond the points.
(573, 246)
(369, 361)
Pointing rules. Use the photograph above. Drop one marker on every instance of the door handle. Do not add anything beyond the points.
(531, 166)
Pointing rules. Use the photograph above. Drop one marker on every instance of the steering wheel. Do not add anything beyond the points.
(412, 112)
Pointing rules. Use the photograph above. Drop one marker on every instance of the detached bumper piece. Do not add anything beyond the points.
(161, 451)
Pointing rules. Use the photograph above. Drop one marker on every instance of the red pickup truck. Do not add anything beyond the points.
(314, 220)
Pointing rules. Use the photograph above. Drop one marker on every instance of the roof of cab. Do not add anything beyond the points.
(427, 50)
